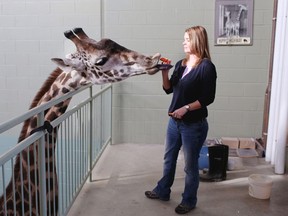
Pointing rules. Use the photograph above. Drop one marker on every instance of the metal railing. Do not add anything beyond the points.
(82, 133)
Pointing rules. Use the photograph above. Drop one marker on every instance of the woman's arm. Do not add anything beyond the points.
(179, 113)
(165, 76)
(165, 80)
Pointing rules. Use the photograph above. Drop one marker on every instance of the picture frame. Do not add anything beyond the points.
(234, 22)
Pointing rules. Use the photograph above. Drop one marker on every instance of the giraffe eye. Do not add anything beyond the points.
(101, 61)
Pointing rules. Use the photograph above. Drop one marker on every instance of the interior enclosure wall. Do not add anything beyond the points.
(31, 33)
(140, 105)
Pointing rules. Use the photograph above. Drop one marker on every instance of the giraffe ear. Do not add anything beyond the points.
(68, 65)
(61, 64)
(84, 81)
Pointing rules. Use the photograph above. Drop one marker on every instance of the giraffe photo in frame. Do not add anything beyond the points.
(233, 22)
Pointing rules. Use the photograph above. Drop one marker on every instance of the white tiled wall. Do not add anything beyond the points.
(140, 105)
(31, 33)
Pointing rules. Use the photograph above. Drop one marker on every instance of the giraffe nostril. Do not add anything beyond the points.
(129, 63)
(148, 60)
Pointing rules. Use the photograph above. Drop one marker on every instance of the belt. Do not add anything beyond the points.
(189, 121)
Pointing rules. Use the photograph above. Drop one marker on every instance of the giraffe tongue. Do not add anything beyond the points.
(164, 66)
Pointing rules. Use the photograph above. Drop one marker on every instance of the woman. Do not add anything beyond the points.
(193, 84)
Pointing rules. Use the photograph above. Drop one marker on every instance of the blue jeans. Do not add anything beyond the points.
(189, 136)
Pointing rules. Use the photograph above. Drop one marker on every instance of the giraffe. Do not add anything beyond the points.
(233, 25)
(236, 26)
(228, 23)
(93, 62)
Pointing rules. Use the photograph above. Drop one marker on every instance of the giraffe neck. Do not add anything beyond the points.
(239, 14)
(27, 162)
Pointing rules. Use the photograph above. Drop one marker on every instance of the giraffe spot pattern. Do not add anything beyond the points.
(63, 109)
(55, 91)
(59, 104)
(33, 122)
(83, 74)
(52, 115)
(65, 90)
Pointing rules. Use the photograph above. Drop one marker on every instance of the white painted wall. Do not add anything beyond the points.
(31, 33)
(140, 105)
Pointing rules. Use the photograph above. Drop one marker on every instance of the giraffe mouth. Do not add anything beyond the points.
(156, 68)
(138, 73)
(164, 66)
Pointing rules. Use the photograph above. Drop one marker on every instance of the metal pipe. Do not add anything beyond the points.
(282, 106)
(4, 188)
(42, 173)
(111, 114)
(34, 111)
(101, 19)
(268, 89)
(91, 137)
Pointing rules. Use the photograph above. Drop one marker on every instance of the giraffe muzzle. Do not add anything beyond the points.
(164, 66)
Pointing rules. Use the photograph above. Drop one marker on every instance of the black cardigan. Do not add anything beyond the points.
(199, 84)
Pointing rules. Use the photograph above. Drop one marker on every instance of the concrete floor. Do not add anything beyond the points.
(125, 171)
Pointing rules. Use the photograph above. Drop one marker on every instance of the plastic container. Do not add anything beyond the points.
(203, 161)
(260, 186)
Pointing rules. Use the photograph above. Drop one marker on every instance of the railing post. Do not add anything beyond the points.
(91, 135)
(42, 172)
(101, 119)
(111, 114)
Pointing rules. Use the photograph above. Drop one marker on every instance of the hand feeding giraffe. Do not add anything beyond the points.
(93, 62)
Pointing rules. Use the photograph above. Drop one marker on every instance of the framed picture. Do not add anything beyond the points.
(233, 22)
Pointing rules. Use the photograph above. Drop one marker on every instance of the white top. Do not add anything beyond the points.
(186, 71)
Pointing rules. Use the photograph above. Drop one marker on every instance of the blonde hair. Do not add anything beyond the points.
(199, 45)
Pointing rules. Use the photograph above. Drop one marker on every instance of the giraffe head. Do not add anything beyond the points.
(242, 7)
(104, 61)
(227, 13)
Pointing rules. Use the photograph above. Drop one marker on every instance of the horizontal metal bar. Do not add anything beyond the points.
(20, 146)
(36, 136)
(65, 115)
(34, 111)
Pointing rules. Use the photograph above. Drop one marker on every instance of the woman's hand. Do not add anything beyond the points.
(179, 113)
(165, 77)
(165, 61)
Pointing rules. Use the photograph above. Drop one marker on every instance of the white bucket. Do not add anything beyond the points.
(260, 186)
